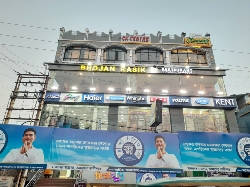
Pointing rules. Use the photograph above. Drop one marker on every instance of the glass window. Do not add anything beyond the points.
(137, 119)
(114, 55)
(80, 53)
(75, 116)
(205, 120)
(83, 80)
(148, 56)
(188, 57)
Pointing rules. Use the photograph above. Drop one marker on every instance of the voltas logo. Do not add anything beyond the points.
(74, 97)
(202, 101)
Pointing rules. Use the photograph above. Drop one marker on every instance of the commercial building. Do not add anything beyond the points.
(107, 81)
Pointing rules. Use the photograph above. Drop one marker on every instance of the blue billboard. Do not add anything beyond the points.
(208, 151)
(60, 148)
(225, 102)
(146, 177)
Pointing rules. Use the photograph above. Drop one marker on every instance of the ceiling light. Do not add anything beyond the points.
(84, 114)
(54, 87)
(111, 89)
(200, 92)
(220, 93)
(146, 90)
(187, 67)
(89, 63)
(149, 75)
(164, 91)
(195, 85)
(103, 111)
(188, 76)
(74, 114)
(201, 77)
(128, 89)
(183, 91)
(80, 73)
(92, 89)
(72, 111)
(123, 64)
(74, 88)
(217, 68)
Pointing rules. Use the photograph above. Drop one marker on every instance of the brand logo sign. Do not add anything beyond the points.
(202, 101)
(136, 99)
(176, 100)
(203, 42)
(115, 98)
(225, 102)
(135, 39)
(127, 69)
(71, 97)
(52, 96)
(164, 100)
(177, 70)
(97, 98)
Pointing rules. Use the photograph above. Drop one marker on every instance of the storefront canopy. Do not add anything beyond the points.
(199, 181)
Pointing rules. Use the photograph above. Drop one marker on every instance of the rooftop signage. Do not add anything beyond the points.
(135, 39)
(201, 42)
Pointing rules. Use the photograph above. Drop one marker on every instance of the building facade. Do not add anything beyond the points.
(107, 81)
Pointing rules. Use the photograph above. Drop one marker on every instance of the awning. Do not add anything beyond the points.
(198, 181)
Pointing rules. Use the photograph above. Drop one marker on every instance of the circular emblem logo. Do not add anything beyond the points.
(243, 149)
(129, 150)
(3, 140)
(148, 177)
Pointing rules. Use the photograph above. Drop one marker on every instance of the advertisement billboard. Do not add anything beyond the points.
(24, 146)
(60, 148)
(52, 97)
(220, 152)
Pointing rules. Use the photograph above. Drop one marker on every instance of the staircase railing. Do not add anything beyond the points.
(35, 178)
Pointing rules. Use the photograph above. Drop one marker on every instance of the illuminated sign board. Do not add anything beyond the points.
(200, 42)
(135, 39)
(127, 69)
(177, 70)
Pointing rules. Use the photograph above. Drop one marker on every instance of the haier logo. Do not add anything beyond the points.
(202, 101)
(92, 98)
(180, 100)
(224, 102)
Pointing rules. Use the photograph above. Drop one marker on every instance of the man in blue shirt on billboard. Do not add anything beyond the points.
(27, 153)
(162, 158)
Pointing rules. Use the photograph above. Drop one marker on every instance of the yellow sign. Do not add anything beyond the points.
(126, 69)
(200, 42)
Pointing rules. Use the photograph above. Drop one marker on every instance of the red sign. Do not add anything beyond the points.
(140, 39)
(164, 100)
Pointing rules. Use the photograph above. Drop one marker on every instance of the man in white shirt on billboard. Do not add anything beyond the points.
(162, 158)
(27, 153)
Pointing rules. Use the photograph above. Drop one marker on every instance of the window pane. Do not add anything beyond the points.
(174, 58)
(111, 55)
(183, 58)
(192, 58)
(92, 55)
(75, 54)
(121, 55)
(144, 57)
(152, 57)
(201, 59)
(67, 54)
